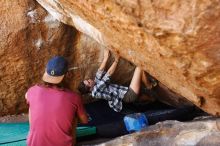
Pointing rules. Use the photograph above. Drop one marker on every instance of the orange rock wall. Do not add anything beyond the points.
(178, 42)
(29, 36)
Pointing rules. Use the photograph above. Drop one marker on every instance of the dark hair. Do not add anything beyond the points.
(83, 89)
(61, 85)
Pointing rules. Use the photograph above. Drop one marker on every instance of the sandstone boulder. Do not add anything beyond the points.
(176, 41)
(29, 37)
(174, 133)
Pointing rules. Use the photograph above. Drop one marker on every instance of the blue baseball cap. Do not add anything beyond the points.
(56, 68)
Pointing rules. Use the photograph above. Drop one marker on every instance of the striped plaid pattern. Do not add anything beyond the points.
(103, 89)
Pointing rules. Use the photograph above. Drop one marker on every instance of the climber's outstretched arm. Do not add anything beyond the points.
(104, 61)
(111, 70)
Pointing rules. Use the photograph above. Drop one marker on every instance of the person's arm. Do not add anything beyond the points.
(75, 122)
(26, 97)
(83, 119)
(29, 111)
(81, 113)
(111, 70)
(104, 61)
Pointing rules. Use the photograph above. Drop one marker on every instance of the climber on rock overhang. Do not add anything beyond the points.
(102, 88)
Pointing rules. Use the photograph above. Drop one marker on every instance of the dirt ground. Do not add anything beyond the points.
(14, 118)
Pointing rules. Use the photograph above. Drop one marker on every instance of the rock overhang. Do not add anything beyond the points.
(177, 42)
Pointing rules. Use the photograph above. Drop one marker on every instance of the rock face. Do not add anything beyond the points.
(174, 133)
(29, 36)
(177, 42)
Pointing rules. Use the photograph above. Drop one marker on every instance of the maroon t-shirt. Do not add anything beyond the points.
(52, 112)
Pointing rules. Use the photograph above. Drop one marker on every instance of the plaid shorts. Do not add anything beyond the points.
(130, 96)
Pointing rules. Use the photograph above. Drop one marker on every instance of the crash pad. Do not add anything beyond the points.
(16, 133)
